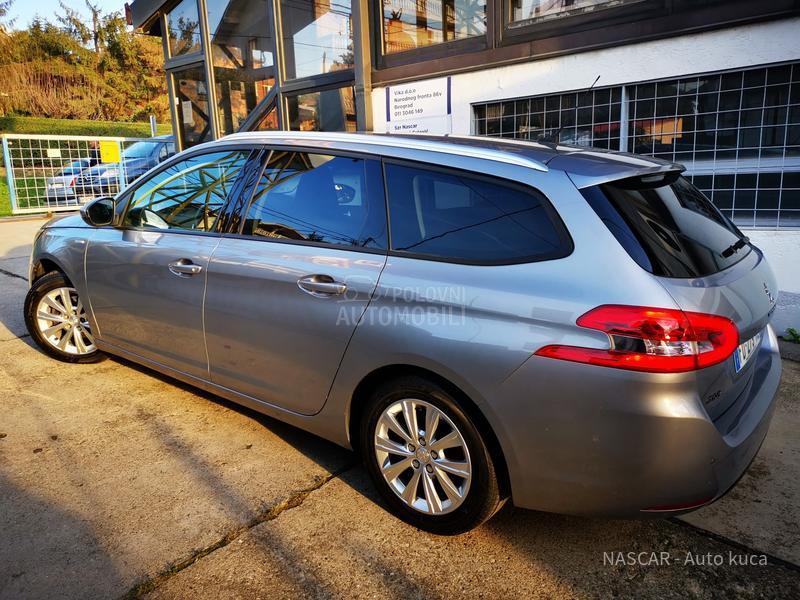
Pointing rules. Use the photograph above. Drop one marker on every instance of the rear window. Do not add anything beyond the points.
(671, 230)
(456, 217)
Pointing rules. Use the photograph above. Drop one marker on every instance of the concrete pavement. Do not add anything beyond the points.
(115, 481)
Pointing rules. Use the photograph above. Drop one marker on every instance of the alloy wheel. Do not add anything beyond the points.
(423, 456)
(61, 319)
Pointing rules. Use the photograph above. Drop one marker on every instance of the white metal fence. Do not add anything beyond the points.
(57, 172)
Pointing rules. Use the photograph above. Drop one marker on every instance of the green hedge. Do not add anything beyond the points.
(41, 125)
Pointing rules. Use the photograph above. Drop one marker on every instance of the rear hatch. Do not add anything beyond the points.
(708, 266)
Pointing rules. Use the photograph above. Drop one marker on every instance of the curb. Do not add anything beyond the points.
(35, 217)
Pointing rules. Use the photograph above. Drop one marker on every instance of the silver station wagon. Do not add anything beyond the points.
(579, 331)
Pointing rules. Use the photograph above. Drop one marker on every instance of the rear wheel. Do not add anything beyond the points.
(56, 319)
(427, 458)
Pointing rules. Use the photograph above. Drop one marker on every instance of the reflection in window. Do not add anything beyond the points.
(318, 36)
(409, 24)
(188, 194)
(543, 10)
(242, 55)
(191, 97)
(329, 110)
(319, 198)
(183, 28)
(269, 122)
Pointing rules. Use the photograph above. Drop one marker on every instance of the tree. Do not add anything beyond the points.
(75, 67)
(4, 8)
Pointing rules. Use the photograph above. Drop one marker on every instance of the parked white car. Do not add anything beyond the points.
(61, 187)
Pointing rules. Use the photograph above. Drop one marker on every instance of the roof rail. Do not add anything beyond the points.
(395, 141)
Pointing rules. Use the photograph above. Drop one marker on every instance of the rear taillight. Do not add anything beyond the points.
(656, 340)
(72, 182)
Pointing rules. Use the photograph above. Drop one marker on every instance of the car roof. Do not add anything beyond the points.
(586, 166)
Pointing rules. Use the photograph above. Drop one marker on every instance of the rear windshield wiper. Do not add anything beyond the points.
(735, 247)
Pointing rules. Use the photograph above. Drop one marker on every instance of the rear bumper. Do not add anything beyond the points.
(581, 439)
(744, 440)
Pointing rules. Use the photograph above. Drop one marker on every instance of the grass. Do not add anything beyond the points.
(41, 125)
(30, 191)
(5, 201)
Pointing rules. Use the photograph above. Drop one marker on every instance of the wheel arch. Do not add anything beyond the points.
(44, 265)
(372, 380)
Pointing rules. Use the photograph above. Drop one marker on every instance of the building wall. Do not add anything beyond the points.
(731, 48)
(782, 249)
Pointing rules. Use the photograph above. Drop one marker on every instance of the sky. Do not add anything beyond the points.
(24, 10)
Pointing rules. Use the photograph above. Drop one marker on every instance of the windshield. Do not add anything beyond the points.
(140, 150)
(73, 168)
(671, 230)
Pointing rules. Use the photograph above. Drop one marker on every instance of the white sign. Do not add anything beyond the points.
(188, 113)
(419, 107)
(430, 125)
(54, 153)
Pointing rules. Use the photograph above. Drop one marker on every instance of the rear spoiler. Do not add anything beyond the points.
(588, 168)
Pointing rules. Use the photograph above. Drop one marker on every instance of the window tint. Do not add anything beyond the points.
(188, 194)
(319, 198)
(672, 230)
(459, 217)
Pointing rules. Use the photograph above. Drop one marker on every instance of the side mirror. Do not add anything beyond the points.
(98, 212)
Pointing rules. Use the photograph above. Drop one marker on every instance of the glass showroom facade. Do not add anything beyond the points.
(221, 58)
(323, 64)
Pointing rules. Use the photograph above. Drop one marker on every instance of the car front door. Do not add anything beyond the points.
(288, 286)
(146, 278)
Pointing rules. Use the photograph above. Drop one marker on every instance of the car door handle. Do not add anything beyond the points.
(184, 267)
(321, 286)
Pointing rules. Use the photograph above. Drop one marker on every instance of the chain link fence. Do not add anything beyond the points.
(55, 172)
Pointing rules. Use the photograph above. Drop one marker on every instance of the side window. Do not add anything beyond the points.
(188, 194)
(336, 200)
(454, 216)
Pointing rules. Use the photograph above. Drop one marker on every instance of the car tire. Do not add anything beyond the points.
(422, 488)
(57, 321)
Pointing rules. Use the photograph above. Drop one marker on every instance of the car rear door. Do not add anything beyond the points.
(705, 263)
(146, 278)
(289, 282)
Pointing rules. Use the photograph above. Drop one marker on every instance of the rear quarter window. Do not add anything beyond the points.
(671, 230)
(459, 217)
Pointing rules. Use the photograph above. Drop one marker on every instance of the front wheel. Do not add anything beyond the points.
(56, 319)
(427, 458)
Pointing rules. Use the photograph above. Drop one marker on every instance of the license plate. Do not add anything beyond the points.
(745, 351)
